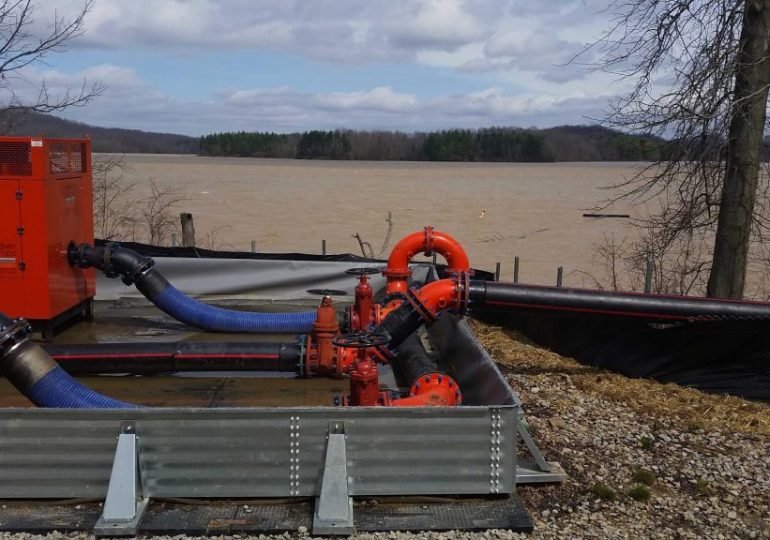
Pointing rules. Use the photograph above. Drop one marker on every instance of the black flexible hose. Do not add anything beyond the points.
(412, 361)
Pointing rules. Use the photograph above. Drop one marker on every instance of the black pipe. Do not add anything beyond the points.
(487, 295)
(185, 356)
(400, 323)
(412, 361)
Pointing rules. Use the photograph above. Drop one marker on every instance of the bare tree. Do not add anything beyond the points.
(22, 47)
(366, 247)
(699, 71)
(126, 210)
(156, 218)
(115, 204)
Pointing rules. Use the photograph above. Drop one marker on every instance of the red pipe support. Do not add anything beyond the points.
(427, 241)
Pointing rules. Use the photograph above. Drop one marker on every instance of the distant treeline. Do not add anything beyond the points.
(103, 139)
(566, 143)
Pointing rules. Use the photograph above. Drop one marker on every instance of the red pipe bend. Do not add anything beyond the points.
(426, 241)
(438, 295)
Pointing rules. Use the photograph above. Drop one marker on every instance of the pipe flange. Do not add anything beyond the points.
(391, 297)
(396, 274)
(16, 331)
(130, 279)
(424, 313)
(462, 285)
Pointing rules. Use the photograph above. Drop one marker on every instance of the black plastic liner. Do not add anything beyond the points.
(730, 357)
(200, 253)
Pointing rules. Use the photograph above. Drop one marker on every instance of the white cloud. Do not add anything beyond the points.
(519, 50)
(382, 99)
(520, 33)
(131, 102)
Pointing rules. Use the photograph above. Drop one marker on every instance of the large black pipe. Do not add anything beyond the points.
(165, 357)
(500, 296)
(412, 361)
(400, 323)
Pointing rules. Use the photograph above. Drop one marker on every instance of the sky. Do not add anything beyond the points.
(203, 66)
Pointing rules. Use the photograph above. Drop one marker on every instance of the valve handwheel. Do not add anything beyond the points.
(326, 292)
(361, 340)
(363, 271)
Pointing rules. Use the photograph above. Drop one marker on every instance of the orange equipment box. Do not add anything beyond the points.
(46, 202)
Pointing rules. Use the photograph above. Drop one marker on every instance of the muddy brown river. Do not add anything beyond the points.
(497, 210)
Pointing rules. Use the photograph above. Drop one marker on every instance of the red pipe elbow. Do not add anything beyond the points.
(439, 295)
(427, 242)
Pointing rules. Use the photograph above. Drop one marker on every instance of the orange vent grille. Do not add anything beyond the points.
(67, 158)
(15, 159)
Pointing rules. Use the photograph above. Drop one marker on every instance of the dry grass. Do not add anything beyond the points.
(691, 408)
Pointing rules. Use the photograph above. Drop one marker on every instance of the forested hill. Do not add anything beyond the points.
(103, 139)
(565, 143)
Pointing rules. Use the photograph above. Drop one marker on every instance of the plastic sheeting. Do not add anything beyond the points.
(717, 356)
(253, 276)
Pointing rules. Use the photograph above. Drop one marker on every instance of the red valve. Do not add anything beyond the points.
(363, 306)
(364, 383)
(320, 358)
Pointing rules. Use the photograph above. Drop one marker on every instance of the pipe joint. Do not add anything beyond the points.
(12, 332)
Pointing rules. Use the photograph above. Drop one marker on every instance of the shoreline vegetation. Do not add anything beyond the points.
(576, 143)
(495, 144)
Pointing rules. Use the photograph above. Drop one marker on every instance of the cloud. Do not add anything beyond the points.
(131, 102)
(514, 53)
(510, 33)
(382, 99)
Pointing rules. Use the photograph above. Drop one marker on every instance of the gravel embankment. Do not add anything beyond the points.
(702, 459)
(697, 465)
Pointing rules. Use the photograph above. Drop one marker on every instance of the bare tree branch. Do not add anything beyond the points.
(21, 47)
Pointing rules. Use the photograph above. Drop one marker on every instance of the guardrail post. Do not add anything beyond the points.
(334, 506)
(125, 505)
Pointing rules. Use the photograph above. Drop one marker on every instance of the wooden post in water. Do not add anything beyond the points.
(516, 269)
(559, 276)
(188, 229)
(648, 275)
(497, 271)
(323, 247)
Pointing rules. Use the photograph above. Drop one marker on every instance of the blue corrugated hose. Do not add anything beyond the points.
(57, 389)
(189, 311)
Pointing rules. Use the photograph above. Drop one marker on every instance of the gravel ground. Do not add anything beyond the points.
(644, 460)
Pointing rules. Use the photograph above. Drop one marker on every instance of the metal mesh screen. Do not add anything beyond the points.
(15, 159)
(67, 158)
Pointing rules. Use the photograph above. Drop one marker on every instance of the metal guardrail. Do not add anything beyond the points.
(48, 453)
